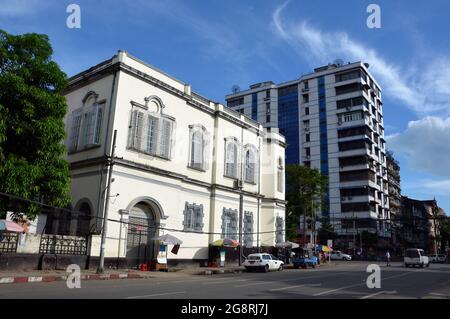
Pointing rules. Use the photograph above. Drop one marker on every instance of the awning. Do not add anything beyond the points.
(287, 244)
(168, 240)
(226, 242)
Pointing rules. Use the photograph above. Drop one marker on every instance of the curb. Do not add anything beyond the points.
(52, 278)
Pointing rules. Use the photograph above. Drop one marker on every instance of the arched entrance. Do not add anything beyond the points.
(143, 223)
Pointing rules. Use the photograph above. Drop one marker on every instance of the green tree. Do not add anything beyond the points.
(305, 191)
(31, 125)
(326, 232)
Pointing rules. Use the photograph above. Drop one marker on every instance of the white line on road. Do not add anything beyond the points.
(379, 293)
(221, 281)
(255, 283)
(356, 285)
(155, 295)
(298, 286)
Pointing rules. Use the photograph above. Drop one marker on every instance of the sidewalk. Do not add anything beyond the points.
(9, 277)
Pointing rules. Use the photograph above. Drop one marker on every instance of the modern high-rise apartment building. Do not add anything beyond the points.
(333, 121)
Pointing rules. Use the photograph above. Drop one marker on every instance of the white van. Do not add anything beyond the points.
(415, 256)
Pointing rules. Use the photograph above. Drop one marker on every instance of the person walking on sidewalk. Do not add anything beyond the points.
(388, 258)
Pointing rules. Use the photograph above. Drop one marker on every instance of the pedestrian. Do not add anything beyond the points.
(388, 258)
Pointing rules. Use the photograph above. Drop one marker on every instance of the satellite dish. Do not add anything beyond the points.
(235, 89)
(367, 65)
(339, 62)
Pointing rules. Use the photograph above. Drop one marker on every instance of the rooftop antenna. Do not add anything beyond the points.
(235, 89)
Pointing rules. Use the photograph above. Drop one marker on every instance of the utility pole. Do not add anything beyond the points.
(354, 235)
(101, 266)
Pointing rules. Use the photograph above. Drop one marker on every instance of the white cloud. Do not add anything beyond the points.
(425, 91)
(425, 145)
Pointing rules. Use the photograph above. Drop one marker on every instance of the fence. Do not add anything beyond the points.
(8, 242)
(63, 245)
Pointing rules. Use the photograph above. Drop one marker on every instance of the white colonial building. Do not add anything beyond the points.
(181, 164)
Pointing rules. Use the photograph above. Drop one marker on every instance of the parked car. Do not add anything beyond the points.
(265, 262)
(437, 258)
(338, 255)
(304, 258)
(415, 256)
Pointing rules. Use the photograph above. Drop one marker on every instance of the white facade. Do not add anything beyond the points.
(173, 152)
(332, 108)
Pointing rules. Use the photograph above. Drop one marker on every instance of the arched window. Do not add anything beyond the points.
(280, 176)
(231, 158)
(198, 145)
(251, 164)
(151, 132)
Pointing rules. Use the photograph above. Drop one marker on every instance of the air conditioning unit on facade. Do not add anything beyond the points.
(348, 108)
(339, 123)
(306, 129)
(238, 184)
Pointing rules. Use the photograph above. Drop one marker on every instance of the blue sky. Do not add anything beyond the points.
(216, 44)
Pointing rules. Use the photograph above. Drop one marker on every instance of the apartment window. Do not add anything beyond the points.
(306, 125)
(151, 133)
(307, 138)
(306, 85)
(360, 175)
(287, 90)
(348, 75)
(280, 176)
(347, 103)
(307, 163)
(193, 217)
(350, 192)
(354, 131)
(231, 157)
(305, 98)
(230, 224)
(349, 88)
(85, 126)
(279, 227)
(355, 207)
(248, 229)
(267, 94)
(251, 164)
(198, 143)
(349, 117)
(353, 160)
(353, 145)
(308, 151)
(268, 118)
(235, 102)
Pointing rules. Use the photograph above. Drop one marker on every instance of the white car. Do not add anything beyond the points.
(338, 255)
(415, 256)
(263, 261)
(437, 258)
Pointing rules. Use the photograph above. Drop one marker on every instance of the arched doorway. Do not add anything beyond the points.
(84, 220)
(143, 223)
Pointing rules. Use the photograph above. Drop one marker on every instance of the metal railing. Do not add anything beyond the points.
(8, 242)
(63, 245)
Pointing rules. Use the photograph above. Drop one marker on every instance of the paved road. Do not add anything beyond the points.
(343, 280)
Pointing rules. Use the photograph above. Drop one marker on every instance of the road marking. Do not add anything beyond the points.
(356, 285)
(438, 294)
(298, 286)
(221, 281)
(155, 295)
(379, 293)
(254, 284)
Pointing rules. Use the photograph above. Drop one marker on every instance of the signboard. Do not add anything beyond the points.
(330, 242)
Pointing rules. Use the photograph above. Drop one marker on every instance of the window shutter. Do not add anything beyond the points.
(137, 142)
(132, 129)
(152, 134)
(197, 150)
(98, 124)
(74, 133)
(206, 150)
(89, 126)
(165, 138)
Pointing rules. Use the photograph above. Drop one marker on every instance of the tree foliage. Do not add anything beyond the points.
(31, 124)
(305, 188)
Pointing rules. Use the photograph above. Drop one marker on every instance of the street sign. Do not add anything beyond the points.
(330, 242)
